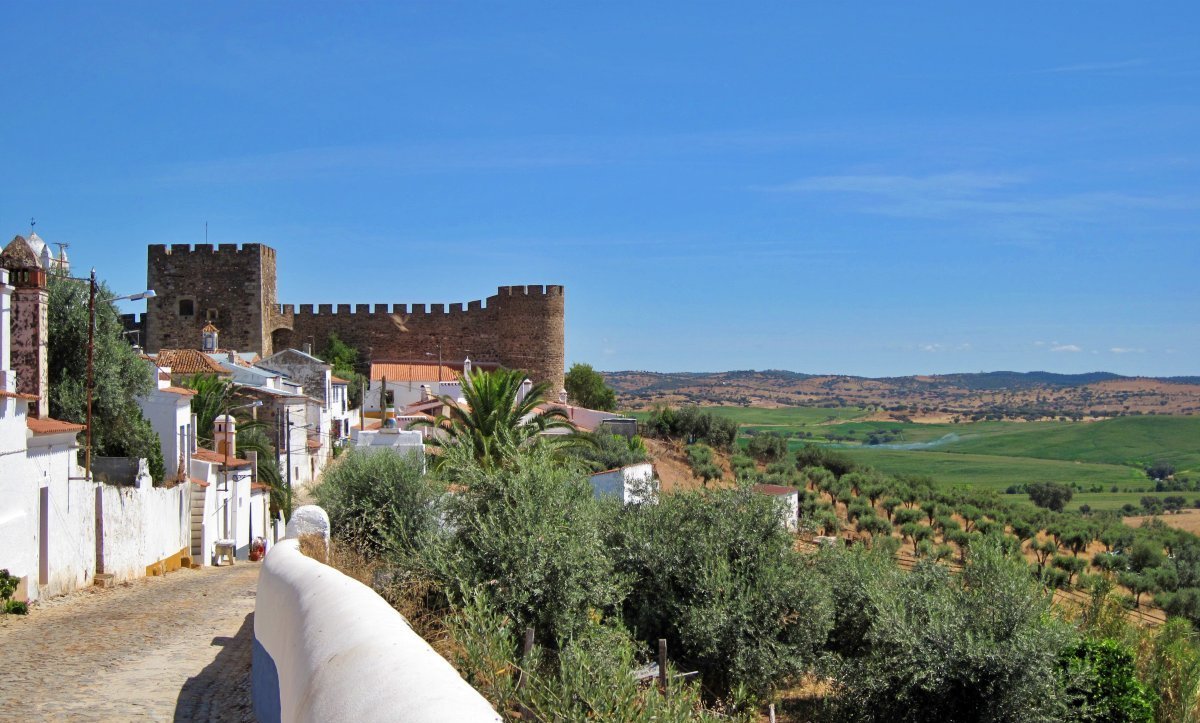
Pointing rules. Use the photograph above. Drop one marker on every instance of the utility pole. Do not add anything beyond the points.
(288, 441)
(87, 455)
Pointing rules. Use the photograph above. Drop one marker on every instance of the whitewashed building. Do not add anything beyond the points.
(632, 483)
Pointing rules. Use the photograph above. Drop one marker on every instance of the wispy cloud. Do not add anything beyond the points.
(940, 347)
(1072, 348)
(1126, 350)
(997, 196)
(1104, 66)
(957, 184)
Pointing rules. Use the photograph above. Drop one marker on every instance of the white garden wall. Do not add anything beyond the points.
(327, 648)
(142, 526)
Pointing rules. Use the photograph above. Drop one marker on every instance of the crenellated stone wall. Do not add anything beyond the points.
(520, 327)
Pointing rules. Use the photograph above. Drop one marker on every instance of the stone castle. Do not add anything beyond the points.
(233, 287)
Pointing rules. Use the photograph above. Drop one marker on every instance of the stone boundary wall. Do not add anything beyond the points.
(327, 648)
(521, 327)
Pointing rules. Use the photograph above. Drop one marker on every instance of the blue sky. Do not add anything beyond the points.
(876, 189)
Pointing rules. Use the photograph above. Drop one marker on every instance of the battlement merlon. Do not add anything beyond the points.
(251, 249)
(418, 310)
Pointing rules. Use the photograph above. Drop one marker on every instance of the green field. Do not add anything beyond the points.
(995, 454)
(995, 472)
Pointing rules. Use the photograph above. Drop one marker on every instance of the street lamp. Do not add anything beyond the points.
(147, 294)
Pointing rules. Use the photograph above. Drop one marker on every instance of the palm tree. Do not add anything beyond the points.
(212, 399)
(493, 421)
(254, 435)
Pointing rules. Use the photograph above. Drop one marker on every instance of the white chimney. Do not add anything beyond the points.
(467, 367)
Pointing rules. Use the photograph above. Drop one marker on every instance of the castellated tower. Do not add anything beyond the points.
(231, 287)
(521, 327)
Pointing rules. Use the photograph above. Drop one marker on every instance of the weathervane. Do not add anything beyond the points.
(32, 223)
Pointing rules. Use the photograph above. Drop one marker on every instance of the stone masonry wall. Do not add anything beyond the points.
(228, 280)
(30, 336)
(521, 327)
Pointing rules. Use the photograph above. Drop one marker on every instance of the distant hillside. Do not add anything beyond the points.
(1001, 394)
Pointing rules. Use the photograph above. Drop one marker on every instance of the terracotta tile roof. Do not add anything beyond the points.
(189, 361)
(259, 486)
(17, 395)
(209, 328)
(207, 455)
(405, 372)
(419, 407)
(198, 481)
(337, 380)
(46, 425)
(181, 391)
(774, 490)
(313, 444)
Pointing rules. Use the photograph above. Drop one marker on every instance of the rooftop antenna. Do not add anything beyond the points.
(206, 232)
(32, 223)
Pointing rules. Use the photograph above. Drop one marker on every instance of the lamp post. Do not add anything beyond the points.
(147, 294)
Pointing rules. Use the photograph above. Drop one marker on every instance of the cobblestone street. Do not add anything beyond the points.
(161, 648)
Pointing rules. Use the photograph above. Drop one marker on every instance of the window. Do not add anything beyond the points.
(187, 307)
(211, 315)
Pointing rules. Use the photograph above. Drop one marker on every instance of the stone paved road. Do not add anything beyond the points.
(163, 648)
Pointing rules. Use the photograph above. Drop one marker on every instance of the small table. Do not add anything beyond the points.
(224, 548)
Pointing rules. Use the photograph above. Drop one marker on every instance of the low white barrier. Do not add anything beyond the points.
(327, 648)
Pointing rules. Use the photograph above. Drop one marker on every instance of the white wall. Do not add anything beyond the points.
(327, 648)
(634, 483)
(18, 495)
(67, 536)
(142, 525)
(167, 412)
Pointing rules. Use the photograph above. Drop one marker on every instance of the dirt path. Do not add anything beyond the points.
(162, 648)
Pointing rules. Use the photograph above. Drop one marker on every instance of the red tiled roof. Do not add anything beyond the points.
(207, 455)
(181, 391)
(418, 407)
(337, 380)
(775, 490)
(405, 372)
(198, 481)
(46, 425)
(189, 361)
(17, 395)
(259, 486)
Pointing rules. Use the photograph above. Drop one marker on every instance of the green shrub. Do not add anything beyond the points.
(587, 678)
(530, 535)
(601, 451)
(715, 574)
(380, 502)
(1102, 684)
(981, 645)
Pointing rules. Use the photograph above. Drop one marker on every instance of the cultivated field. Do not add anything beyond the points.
(1105, 458)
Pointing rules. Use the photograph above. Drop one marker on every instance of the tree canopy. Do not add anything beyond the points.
(119, 374)
(343, 359)
(586, 387)
(1051, 495)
